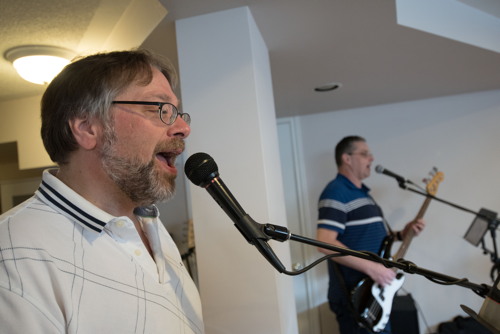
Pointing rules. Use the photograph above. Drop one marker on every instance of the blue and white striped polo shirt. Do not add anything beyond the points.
(353, 213)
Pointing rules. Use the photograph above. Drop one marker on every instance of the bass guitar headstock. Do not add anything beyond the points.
(432, 183)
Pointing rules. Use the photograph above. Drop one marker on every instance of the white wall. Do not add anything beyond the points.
(227, 88)
(457, 134)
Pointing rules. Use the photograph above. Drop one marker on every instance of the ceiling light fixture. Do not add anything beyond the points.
(38, 64)
(328, 87)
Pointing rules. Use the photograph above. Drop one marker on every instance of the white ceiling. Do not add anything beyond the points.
(355, 42)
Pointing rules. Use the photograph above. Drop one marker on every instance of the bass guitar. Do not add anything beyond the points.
(372, 302)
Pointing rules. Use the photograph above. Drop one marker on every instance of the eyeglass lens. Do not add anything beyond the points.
(169, 113)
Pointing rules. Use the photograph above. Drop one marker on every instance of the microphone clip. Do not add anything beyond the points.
(251, 230)
(403, 183)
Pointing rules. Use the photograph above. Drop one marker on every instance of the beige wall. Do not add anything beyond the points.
(20, 124)
(22, 155)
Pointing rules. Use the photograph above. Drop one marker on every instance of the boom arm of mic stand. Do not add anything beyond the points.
(281, 234)
(449, 203)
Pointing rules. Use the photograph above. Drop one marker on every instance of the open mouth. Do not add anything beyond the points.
(167, 158)
(167, 154)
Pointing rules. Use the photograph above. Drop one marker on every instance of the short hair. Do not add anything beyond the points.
(86, 88)
(346, 145)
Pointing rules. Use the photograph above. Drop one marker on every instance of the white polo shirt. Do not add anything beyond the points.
(68, 267)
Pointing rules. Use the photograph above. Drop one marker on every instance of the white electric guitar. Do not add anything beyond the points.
(372, 302)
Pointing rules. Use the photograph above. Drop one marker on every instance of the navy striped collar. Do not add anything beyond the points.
(342, 178)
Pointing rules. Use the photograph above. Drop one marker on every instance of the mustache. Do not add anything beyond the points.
(175, 145)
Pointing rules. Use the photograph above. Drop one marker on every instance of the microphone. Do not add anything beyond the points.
(202, 170)
(401, 180)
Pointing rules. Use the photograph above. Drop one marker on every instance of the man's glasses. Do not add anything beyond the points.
(167, 111)
(363, 154)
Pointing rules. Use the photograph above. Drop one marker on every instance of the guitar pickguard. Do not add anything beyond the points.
(384, 297)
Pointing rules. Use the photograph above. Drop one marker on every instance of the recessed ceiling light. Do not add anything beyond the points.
(38, 64)
(328, 87)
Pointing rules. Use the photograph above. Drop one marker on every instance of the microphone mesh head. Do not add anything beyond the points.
(379, 169)
(200, 168)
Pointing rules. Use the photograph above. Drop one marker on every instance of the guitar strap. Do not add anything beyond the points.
(389, 229)
(386, 223)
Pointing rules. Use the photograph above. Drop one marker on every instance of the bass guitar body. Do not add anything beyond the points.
(373, 303)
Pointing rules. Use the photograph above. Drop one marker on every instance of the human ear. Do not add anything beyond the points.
(85, 132)
(346, 158)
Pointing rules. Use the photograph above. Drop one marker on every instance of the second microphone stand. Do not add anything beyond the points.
(492, 226)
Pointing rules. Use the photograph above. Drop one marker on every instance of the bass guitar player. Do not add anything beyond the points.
(349, 217)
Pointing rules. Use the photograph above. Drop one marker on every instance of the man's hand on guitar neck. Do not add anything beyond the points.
(415, 226)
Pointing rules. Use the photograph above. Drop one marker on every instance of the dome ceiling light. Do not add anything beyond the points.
(38, 64)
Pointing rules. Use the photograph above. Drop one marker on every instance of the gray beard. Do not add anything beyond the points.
(141, 182)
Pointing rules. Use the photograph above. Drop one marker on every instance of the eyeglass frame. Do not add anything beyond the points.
(363, 154)
(175, 111)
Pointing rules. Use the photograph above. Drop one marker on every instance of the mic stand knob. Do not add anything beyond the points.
(276, 232)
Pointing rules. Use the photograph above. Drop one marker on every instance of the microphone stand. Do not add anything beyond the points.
(404, 186)
(281, 233)
(488, 315)
(490, 306)
(492, 225)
